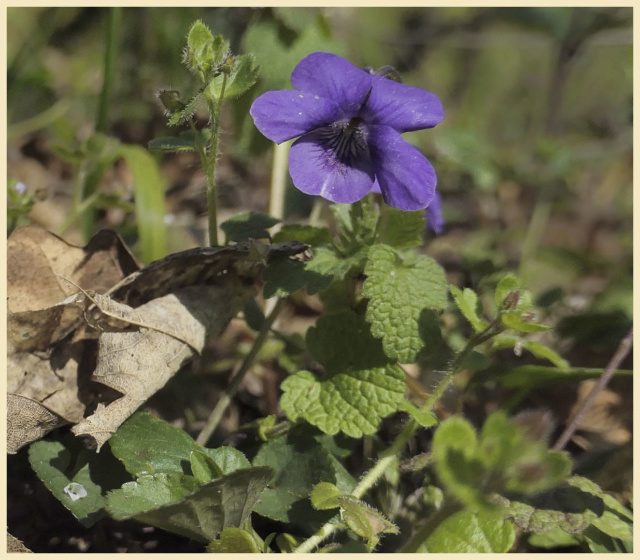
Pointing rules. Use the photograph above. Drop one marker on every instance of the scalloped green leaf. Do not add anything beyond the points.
(467, 302)
(343, 340)
(286, 276)
(298, 466)
(353, 402)
(175, 502)
(403, 292)
(328, 261)
(147, 445)
(469, 532)
(399, 228)
(514, 321)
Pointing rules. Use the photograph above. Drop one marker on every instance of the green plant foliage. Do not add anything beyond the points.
(467, 302)
(501, 459)
(285, 276)
(233, 540)
(403, 292)
(243, 73)
(177, 503)
(298, 466)
(324, 496)
(147, 446)
(248, 225)
(149, 187)
(203, 467)
(471, 532)
(76, 476)
(399, 229)
(547, 511)
(364, 520)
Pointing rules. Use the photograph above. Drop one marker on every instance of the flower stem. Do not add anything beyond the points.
(225, 400)
(211, 158)
(369, 480)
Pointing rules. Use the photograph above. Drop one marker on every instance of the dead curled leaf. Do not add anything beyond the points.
(149, 323)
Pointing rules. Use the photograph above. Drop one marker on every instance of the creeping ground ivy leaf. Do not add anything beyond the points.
(402, 293)
(361, 386)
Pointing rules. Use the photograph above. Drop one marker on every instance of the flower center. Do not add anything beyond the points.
(346, 139)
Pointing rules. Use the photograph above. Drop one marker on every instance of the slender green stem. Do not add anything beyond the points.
(279, 180)
(115, 19)
(79, 208)
(215, 107)
(390, 455)
(225, 400)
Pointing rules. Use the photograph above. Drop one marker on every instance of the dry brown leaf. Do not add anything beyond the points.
(36, 259)
(152, 321)
(139, 363)
(15, 545)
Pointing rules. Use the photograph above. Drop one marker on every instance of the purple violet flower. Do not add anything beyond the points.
(433, 213)
(349, 122)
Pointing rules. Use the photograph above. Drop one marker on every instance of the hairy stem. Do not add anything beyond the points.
(225, 400)
(215, 107)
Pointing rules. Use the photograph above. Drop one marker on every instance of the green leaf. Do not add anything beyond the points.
(324, 494)
(203, 467)
(548, 510)
(616, 521)
(174, 502)
(343, 340)
(184, 142)
(298, 466)
(467, 302)
(310, 235)
(425, 418)
(243, 75)
(149, 187)
(513, 321)
(328, 261)
(553, 539)
(75, 475)
(536, 348)
(353, 402)
(147, 445)
(286, 276)
(402, 291)
(399, 228)
(469, 532)
(364, 520)
(536, 376)
(503, 458)
(248, 225)
(233, 540)
(204, 53)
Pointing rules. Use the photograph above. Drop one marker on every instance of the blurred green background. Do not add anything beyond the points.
(534, 157)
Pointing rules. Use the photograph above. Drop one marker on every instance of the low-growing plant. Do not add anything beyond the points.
(477, 485)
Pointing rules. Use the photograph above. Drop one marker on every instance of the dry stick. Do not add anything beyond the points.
(614, 363)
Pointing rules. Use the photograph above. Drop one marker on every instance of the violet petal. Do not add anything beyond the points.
(331, 76)
(402, 107)
(282, 115)
(407, 178)
(315, 170)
